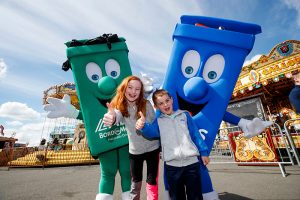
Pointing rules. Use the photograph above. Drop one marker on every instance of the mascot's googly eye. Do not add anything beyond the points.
(213, 68)
(112, 68)
(190, 63)
(93, 72)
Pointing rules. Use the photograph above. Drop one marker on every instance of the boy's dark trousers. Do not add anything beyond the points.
(184, 179)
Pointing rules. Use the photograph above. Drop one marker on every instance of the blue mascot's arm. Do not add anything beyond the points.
(195, 136)
(151, 130)
(231, 118)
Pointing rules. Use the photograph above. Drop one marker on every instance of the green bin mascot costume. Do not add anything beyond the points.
(98, 65)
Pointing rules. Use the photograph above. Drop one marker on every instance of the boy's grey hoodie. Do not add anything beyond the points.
(177, 138)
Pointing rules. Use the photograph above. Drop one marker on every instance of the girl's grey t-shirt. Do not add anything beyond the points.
(138, 144)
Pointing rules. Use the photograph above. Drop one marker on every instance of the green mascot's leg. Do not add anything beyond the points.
(110, 163)
(124, 170)
(108, 167)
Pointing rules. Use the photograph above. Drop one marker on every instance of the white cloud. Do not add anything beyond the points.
(18, 111)
(50, 25)
(28, 133)
(14, 123)
(294, 4)
(32, 132)
(3, 68)
(252, 60)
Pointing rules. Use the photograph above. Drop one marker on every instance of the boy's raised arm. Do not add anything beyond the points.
(148, 130)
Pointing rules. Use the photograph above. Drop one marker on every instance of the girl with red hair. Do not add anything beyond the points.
(124, 108)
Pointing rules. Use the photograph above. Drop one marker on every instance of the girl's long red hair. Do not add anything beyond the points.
(119, 101)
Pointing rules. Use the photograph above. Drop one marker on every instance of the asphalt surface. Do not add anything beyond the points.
(232, 182)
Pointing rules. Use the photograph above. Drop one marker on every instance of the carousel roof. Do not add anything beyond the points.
(270, 74)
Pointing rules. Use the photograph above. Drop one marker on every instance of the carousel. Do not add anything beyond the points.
(262, 91)
(63, 140)
(270, 79)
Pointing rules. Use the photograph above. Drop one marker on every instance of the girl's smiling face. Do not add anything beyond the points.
(133, 90)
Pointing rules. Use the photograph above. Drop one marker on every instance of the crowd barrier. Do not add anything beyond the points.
(292, 127)
(273, 147)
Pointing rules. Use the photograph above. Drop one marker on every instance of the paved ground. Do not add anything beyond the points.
(81, 183)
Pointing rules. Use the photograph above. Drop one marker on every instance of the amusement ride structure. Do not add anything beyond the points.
(67, 144)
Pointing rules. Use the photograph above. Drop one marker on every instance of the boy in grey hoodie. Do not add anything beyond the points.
(181, 146)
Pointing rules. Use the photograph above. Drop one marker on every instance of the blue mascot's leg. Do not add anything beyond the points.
(205, 180)
(206, 184)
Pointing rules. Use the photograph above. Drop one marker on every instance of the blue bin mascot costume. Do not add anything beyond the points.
(206, 60)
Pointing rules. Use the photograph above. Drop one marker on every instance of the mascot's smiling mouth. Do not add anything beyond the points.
(194, 109)
(103, 102)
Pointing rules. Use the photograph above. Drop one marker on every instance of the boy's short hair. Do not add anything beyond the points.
(159, 93)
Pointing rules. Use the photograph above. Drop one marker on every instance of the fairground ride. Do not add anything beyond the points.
(270, 79)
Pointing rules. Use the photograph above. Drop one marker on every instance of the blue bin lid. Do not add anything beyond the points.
(222, 31)
(216, 23)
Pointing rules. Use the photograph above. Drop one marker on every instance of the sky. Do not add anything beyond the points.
(33, 33)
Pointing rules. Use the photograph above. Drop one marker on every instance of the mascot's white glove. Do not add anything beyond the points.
(60, 108)
(147, 83)
(253, 127)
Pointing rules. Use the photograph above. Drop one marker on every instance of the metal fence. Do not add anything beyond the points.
(292, 128)
(273, 147)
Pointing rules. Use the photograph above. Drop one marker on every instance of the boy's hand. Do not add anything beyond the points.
(109, 118)
(140, 122)
(205, 159)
